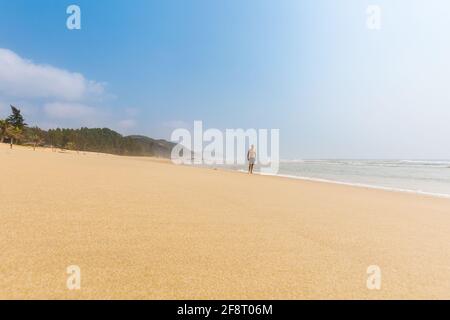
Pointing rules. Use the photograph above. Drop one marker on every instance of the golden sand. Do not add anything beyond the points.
(146, 229)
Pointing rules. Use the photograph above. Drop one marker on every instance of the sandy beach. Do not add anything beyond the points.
(141, 228)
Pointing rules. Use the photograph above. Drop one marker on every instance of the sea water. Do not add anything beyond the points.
(419, 176)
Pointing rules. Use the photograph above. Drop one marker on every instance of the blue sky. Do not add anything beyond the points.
(334, 88)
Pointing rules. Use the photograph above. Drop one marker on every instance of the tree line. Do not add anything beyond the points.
(14, 130)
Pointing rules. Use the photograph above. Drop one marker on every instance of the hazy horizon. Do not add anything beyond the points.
(334, 88)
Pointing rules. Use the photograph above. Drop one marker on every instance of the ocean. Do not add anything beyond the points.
(431, 177)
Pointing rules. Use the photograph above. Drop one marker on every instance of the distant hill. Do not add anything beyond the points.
(15, 130)
(107, 141)
(146, 145)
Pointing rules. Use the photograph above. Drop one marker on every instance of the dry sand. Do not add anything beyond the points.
(147, 229)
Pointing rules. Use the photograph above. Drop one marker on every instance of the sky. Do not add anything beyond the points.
(313, 69)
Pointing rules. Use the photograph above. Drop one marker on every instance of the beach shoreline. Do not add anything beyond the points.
(143, 228)
(278, 175)
(360, 185)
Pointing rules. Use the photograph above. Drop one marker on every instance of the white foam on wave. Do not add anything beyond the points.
(360, 185)
(376, 163)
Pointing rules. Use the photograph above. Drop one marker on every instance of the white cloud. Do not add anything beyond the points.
(51, 97)
(175, 124)
(127, 124)
(23, 78)
(64, 110)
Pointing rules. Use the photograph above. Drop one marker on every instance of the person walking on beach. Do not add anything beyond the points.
(251, 157)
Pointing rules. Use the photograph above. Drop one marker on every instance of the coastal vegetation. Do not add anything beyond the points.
(14, 130)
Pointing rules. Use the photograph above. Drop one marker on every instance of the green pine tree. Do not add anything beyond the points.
(16, 119)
